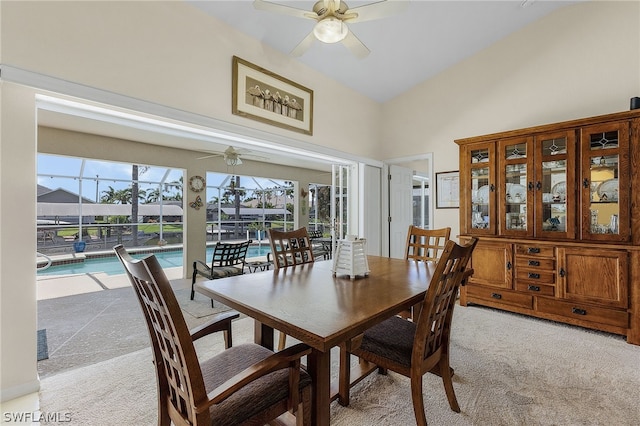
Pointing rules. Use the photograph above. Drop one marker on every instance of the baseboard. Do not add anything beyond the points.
(7, 394)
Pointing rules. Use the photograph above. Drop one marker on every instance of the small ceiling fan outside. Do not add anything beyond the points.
(231, 156)
(331, 18)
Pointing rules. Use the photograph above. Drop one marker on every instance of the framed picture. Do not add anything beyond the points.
(264, 96)
(448, 190)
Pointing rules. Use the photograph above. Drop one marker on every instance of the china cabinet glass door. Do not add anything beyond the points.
(482, 203)
(515, 186)
(555, 186)
(605, 170)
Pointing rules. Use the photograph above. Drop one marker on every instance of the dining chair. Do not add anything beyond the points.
(415, 348)
(424, 245)
(289, 248)
(228, 259)
(242, 385)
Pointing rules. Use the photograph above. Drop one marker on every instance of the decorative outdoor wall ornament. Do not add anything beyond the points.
(197, 203)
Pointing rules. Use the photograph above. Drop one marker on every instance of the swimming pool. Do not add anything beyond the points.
(112, 266)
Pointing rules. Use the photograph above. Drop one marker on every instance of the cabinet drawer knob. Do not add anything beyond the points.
(509, 266)
(562, 272)
(585, 183)
(534, 288)
(534, 275)
(579, 311)
(533, 250)
(496, 295)
(534, 263)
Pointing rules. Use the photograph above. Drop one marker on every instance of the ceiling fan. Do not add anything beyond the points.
(332, 17)
(231, 156)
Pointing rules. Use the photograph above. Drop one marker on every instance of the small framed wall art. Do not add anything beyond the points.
(448, 190)
(264, 96)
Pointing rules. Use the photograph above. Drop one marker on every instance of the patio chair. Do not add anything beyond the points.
(320, 248)
(228, 260)
(245, 384)
(415, 348)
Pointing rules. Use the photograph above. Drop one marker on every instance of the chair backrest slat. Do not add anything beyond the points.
(177, 367)
(290, 248)
(434, 322)
(315, 234)
(426, 244)
(229, 254)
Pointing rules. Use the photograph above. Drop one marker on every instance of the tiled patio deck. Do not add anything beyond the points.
(92, 317)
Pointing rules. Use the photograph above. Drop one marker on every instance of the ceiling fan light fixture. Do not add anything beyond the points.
(330, 30)
(233, 161)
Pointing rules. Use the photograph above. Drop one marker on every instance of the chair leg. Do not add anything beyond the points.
(448, 384)
(418, 402)
(303, 416)
(193, 283)
(282, 342)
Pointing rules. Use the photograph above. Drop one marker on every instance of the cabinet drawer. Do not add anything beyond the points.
(501, 296)
(535, 263)
(534, 250)
(583, 312)
(536, 288)
(536, 276)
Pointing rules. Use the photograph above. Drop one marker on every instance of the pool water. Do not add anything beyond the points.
(112, 266)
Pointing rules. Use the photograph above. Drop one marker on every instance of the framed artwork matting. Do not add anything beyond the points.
(448, 190)
(262, 95)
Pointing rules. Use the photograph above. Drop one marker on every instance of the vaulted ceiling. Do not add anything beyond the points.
(409, 47)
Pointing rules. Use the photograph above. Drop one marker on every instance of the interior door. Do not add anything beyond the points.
(400, 208)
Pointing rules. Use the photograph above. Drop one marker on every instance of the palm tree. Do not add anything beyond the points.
(176, 185)
(153, 196)
(136, 196)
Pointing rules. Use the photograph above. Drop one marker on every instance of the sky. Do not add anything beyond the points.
(56, 171)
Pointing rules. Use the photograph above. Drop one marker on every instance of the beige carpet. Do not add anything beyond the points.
(510, 370)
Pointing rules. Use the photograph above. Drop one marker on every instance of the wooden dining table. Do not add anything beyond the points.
(310, 304)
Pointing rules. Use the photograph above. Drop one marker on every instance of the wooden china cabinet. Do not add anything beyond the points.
(557, 211)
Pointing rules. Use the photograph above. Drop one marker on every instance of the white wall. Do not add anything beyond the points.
(580, 61)
(173, 54)
(17, 241)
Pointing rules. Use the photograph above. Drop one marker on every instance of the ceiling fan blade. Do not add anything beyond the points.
(285, 10)
(209, 156)
(378, 10)
(304, 45)
(356, 47)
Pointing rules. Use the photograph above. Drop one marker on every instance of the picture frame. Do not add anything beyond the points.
(448, 190)
(262, 95)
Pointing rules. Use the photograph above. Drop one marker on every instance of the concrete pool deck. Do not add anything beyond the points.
(54, 286)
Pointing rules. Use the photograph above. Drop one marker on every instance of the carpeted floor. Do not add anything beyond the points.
(510, 370)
